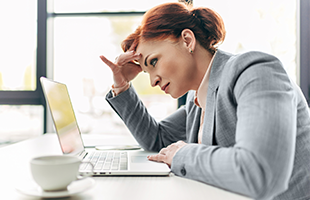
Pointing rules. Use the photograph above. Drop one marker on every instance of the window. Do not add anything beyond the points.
(81, 31)
(18, 44)
(268, 26)
(278, 27)
(21, 106)
(100, 28)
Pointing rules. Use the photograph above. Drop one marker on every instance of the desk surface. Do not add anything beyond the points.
(15, 169)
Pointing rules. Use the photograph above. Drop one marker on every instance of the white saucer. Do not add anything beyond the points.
(75, 187)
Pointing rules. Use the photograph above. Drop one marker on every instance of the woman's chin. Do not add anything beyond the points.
(176, 96)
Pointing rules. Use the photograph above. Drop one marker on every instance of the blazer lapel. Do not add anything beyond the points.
(208, 124)
(215, 76)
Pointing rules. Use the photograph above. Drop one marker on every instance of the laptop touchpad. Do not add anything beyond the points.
(139, 159)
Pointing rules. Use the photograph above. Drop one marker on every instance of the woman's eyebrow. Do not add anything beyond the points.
(145, 63)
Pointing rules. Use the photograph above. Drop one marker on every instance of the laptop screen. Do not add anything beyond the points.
(57, 97)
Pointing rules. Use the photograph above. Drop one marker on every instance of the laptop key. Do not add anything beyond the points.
(98, 166)
(106, 167)
(115, 167)
(123, 167)
(102, 158)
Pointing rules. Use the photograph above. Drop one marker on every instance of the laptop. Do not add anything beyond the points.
(133, 162)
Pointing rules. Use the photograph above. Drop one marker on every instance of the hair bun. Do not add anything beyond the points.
(168, 20)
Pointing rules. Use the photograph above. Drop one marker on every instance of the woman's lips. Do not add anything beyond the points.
(165, 88)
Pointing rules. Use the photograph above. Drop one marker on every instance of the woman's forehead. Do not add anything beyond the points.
(145, 45)
(149, 45)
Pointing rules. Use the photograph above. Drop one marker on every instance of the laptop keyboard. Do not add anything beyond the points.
(105, 161)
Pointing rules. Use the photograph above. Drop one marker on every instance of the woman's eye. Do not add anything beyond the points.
(153, 62)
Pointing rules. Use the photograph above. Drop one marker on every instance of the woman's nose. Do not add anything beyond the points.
(155, 81)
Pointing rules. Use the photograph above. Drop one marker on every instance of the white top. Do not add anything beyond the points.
(201, 97)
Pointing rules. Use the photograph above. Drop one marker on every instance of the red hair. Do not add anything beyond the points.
(170, 19)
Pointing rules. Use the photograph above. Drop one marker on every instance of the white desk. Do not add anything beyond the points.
(15, 168)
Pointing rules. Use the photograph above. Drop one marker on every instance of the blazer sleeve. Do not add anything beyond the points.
(260, 163)
(149, 133)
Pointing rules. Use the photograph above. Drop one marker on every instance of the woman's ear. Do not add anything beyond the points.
(189, 40)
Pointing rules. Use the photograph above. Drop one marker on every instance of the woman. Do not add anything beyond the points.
(245, 126)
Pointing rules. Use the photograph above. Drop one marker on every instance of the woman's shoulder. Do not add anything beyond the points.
(238, 63)
(252, 65)
(252, 57)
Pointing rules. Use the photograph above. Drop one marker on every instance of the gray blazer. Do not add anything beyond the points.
(256, 132)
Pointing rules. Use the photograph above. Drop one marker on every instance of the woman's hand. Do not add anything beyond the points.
(166, 154)
(124, 69)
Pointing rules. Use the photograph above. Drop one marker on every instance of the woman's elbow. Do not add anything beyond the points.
(269, 189)
(264, 179)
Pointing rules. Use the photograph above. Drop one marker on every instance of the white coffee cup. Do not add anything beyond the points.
(54, 173)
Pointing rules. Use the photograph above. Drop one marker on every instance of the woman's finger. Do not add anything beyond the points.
(108, 62)
(133, 46)
(163, 151)
(127, 57)
(157, 157)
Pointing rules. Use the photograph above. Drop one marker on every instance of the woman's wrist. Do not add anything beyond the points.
(119, 89)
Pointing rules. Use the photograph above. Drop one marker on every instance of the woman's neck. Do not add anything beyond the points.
(202, 59)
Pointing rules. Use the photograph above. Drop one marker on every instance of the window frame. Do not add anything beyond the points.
(33, 97)
(303, 16)
(37, 98)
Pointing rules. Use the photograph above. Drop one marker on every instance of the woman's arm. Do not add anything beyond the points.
(260, 163)
(149, 133)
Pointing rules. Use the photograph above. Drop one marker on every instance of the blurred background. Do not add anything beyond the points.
(62, 40)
